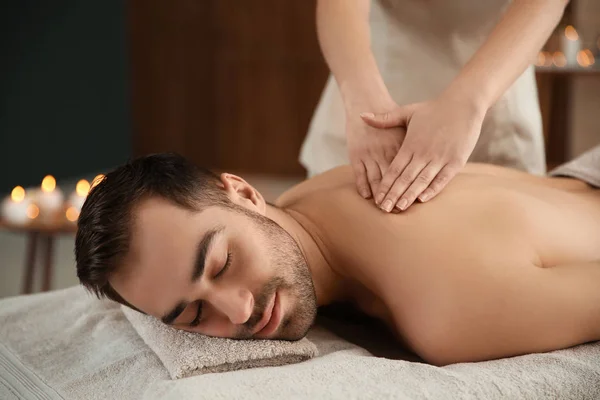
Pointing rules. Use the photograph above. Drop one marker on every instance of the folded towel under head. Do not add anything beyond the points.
(186, 354)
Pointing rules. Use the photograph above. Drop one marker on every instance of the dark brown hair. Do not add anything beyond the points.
(104, 225)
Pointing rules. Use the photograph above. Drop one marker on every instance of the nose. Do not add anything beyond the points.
(237, 304)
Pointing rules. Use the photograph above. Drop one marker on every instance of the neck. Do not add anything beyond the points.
(329, 285)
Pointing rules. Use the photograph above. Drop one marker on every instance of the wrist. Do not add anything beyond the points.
(468, 96)
(366, 97)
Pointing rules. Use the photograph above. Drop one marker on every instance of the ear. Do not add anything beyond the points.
(242, 193)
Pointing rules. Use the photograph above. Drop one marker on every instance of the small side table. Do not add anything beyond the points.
(39, 232)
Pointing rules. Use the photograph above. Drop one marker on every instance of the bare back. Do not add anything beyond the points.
(469, 244)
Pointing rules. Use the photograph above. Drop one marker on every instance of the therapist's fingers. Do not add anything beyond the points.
(439, 182)
(408, 176)
(390, 175)
(360, 176)
(397, 117)
(373, 174)
(421, 183)
(385, 120)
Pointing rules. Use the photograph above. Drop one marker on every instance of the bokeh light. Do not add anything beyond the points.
(18, 194)
(48, 183)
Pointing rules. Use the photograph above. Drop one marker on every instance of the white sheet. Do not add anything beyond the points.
(77, 347)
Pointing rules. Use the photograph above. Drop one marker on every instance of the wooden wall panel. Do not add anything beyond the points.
(172, 80)
(233, 84)
(229, 84)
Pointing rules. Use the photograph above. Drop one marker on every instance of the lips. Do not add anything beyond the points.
(271, 317)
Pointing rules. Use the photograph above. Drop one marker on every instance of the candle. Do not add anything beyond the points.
(590, 57)
(541, 59)
(585, 58)
(570, 45)
(78, 197)
(72, 214)
(33, 211)
(16, 209)
(544, 59)
(558, 59)
(50, 198)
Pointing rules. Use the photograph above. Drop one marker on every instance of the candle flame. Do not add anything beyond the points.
(541, 58)
(82, 188)
(48, 183)
(97, 179)
(582, 59)
(559, 59)
(18, 194)
(72, 214)
(548, 60)
(33, 211)
(571, 33)
(590, 55)
(585, 58)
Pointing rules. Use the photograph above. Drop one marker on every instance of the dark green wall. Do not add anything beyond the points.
(64, 101)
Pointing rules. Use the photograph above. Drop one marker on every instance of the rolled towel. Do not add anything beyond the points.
(586, 167)
(186, 354)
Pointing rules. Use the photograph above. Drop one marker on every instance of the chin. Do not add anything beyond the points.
(293, 329)
(293, 336)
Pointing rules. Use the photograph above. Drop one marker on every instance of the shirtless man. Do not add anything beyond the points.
(501, 263)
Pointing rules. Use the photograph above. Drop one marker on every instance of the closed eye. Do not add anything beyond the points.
(198, 317)
(226, 266)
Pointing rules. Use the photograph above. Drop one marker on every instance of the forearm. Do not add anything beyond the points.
(344, 36)
(507, 52)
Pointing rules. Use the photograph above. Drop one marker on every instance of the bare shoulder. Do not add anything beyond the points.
(336, 177)
(472, 173)
(343, 176)
(493, 170)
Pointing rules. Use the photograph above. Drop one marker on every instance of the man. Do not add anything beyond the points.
(501, 263)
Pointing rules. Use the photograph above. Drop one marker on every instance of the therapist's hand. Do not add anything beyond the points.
(371, 150)
(441, 135)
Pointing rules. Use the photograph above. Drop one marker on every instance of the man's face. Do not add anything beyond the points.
(218, 272)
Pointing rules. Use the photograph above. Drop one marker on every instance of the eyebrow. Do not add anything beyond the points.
(199, 264)
(202, 251)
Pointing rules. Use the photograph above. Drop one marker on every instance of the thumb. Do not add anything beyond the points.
(391, 119)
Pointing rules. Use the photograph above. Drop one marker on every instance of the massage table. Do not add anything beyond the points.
(67, 344)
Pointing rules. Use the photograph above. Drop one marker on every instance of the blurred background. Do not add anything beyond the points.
(232, 85)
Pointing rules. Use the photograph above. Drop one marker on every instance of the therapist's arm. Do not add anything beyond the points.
(344, 35)
(509, 50)
(442, 132)
(345, 39)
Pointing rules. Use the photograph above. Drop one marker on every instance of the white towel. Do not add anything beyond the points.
(186, 354)
(586, 167)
